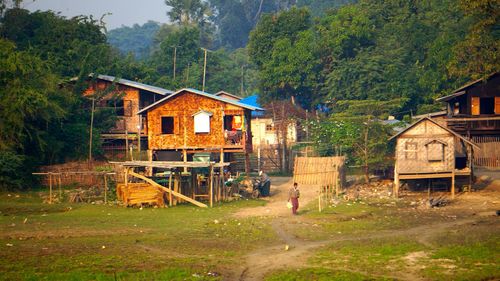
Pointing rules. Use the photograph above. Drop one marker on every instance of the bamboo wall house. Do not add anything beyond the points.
(429, 150)
(126, 98)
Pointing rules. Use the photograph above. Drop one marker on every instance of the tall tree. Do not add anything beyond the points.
(479, 54)
(282, 47)
(187, 12)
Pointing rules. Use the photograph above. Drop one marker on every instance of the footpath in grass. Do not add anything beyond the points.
(85, 241)
(387, 240)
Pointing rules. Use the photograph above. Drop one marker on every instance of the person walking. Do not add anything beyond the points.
(293, 196)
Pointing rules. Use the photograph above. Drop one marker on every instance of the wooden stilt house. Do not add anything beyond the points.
(193, 122)
(429, 150)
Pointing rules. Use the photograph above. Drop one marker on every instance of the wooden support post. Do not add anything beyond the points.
(428, 188)
(319, 199)
(395, 189)
(59, 185)
(176, 186)
(247, 163)
(149, 170)
(50, 188)
(126, 144)
(453, 185)
(185, 159)
(211, 186)
(125, 180)
(170, 188)
(105, 189)
(221, 172)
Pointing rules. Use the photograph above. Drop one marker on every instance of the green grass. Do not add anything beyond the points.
(469, 253)
(352, 218)
(107, 242)
(319, 274)
(171, 274)
(52, 242)
(374, 256)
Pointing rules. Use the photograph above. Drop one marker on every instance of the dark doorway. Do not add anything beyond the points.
(487, 105)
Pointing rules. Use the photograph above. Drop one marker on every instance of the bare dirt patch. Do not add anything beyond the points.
(292, 252)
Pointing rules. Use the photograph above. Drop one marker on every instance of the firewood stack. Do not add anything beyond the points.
(138, 194)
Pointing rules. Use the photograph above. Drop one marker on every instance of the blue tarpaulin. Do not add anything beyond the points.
(252, 100)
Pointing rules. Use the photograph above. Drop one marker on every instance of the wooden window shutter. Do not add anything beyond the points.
(475, 106)
(497, 105)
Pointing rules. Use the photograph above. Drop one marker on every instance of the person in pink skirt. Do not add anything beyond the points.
(293, 196)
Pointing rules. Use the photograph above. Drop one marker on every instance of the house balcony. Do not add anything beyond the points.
(482, 124)
(237, 141)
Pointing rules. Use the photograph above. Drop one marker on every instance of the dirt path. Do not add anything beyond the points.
(276, 203)
(293, 253)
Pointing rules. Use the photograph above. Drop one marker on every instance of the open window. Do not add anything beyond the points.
(435, 151)
(167, 125)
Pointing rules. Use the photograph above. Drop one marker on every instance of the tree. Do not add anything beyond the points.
(137, 39)
(358, 131)
(282, 48)
(68, 44)
(187, 12)
(479, 54)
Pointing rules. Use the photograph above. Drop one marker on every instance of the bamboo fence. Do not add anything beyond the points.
(489, 153)
(322, 172)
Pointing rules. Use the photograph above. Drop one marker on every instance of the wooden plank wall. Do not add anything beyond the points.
(324, 171)
(489, 154)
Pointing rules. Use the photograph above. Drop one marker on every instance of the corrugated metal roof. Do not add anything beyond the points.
(431, 114)
(138, 85)
(205, 94)
(228, 94)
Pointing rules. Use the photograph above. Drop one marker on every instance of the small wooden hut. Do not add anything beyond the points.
(429, 150)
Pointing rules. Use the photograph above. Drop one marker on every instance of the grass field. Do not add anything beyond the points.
(88, 241)
(372, 239)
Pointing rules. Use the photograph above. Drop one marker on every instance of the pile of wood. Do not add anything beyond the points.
(138, 194)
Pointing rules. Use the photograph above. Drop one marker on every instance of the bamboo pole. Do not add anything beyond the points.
(105, 189)
(50, 188)
(211, 186)
(59, 185)
(319, 199)
(170, 188)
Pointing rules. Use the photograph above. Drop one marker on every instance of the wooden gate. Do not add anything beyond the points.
(489, 154)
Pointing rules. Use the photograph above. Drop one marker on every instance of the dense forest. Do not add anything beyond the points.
(353, 61)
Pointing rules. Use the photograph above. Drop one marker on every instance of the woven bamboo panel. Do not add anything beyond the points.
(489, 154)
(318, 170)
(425, 148)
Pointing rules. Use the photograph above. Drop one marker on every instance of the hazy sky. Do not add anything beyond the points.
(124, 12)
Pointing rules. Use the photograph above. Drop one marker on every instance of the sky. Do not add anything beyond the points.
(124, 12)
